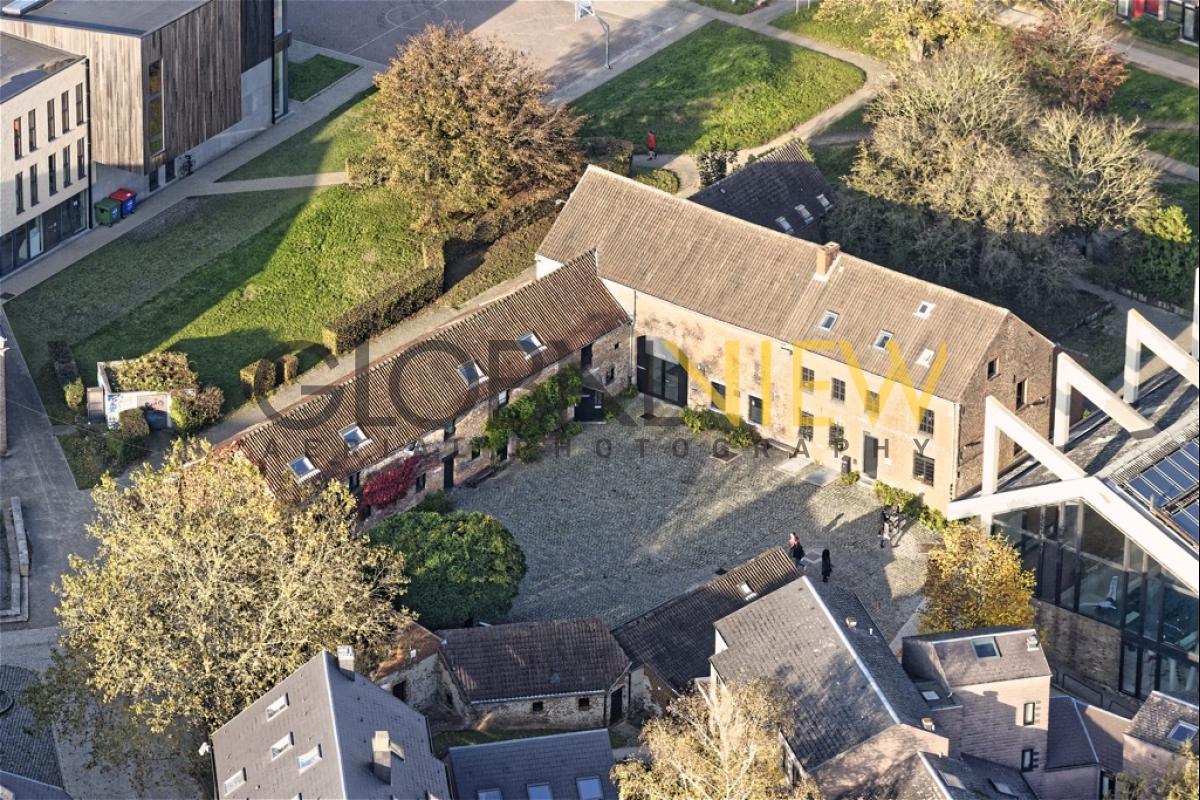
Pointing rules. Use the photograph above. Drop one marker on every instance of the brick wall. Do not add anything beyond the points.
(991, 721)
(1080, 646)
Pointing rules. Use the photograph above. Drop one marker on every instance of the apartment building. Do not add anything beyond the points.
(855, 366)
(44, 149)
(182, 81)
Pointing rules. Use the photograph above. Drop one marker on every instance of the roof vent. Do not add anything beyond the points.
(1032, 643)
(555, 679)
(851, 622)
(927, 723)
(748, 594)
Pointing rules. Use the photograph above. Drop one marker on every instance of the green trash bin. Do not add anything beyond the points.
(107, 211)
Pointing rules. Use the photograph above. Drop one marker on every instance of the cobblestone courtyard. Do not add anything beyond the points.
(615, 536)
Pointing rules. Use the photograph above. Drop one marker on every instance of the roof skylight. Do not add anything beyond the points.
(784, 225)
(824, 201)
(804, 213)
(354, 437)
(303, 468)
(471, 373)
(924, 309)
(881, 341)
(530, 344)
(828, 319)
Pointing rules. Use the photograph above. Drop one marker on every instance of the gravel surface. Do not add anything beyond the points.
(616, 536)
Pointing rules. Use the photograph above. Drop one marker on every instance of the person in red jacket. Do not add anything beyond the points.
(652, 144)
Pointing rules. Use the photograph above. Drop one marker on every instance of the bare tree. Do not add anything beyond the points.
(1067, 56)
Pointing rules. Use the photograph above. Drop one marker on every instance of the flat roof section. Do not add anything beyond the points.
(24, 63)
(122, 17)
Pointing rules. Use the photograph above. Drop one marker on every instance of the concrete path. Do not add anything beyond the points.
(271, 184)
(1170, 165)
(683, 166)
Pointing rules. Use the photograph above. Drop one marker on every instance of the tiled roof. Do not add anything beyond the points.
(412, 643)
(418, 389)
(774, 186)
(514, 765)
(1157, 717)
(26, 746)
(533, 659)
(1069, 743)
(846, 684)
(676, 638)
(336, 714)
(980, 779)
(762, 280)
(1106, 731)
(950, 657)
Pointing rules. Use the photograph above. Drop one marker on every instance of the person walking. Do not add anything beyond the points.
(826, 566)
(652, 144)
(796, 549)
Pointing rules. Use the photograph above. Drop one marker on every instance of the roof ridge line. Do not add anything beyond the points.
(1083, 724)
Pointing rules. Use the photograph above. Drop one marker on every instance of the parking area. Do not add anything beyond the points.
(545, 30)
(634, 515)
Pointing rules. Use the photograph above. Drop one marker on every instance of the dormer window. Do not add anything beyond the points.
(1182, 733)
(926, 358)
(951, 780)
(303, 469)
(828, 319)
(985, 647)
(804, 213)
(471, 373)
(924, 309)
(531, 345)
(881, 341)
(748, 594)
(354, 437)
(824, 201)
(784, 225)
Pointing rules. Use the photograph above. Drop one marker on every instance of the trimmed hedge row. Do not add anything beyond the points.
(66, 371)
(609, 152)
(153, 372)
(353, 327)
(193, 409)
(257, 378)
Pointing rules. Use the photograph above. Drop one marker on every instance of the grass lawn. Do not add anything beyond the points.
(1186, 195)
(306, 78)
(224, 303)
(1177, 144)
(323, 146)
(834, 161)
(1161, 101)
(1105, 350)
(663, 179)
(851, 37)
(721, 82)
(739, 7)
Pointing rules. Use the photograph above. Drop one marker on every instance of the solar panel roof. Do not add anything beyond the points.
(1171, 478)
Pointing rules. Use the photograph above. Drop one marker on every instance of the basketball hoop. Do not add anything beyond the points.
(585, 8)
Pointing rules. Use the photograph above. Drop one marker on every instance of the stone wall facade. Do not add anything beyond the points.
(1145, 761)
(419, 683)
(570, 712)
(649, 692)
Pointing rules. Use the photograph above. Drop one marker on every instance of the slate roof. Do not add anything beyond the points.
(950, 657)
(762, 280)
(417, 389)
(1157, 717)
(676, 638)
(772, 187)
(1106, 731)
(26, 747)
(980, 778)
(24, 63)
(339, 714)
(514, 765)
(799, 635)
(533, 659)
(1069, 743)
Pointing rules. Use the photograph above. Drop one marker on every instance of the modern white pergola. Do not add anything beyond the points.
(1073, 484)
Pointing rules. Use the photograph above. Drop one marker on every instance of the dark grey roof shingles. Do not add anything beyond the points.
(1107, 733)
(1157, 717)
(26, 747)
(512, 766)
(676, 638)
(953, 656)
(1069, 743)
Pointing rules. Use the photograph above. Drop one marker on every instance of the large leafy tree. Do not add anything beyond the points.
(1067, 56)
(461, 123)
(204, 592)
(1164, 254)
(975, 580)
(463, 566)
(913, 29)
(717, 743)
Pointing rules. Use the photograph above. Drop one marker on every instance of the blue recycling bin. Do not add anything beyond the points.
(128, 200)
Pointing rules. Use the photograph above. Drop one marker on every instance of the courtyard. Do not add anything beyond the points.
(634, 514)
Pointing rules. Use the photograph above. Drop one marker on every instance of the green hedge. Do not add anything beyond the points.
(609, 152)
(258, 378)
(193, 409)
(66, 372)
(351, 328)
(508, 257)
(153, 372)
(289, 368)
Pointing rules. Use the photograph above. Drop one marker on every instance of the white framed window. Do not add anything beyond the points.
(276, 706)
(303, 468)
(1182, 732)
(828, 320)
(282, 746)
(784, 225)
(930, 695)
(307, 759)
(354, 437)
(235, 781)
(804, 213)
(1002, 787)
(589, 788)
(530, 344)
(924, 309)
(881, 341)
(926, 358)
(985, 647)
(824, 201)
(471, 373)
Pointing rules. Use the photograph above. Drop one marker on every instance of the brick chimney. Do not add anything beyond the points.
(345, 657)
(826, 257)
(381, 756)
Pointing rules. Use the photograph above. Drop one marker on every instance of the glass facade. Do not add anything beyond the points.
(1085, 565)
(44, 232)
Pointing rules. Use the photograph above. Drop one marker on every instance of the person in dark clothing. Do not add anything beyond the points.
(826, 566)
(796, 549)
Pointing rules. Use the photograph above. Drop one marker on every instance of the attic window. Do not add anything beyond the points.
(930, 695)
(784, 225)
(489, 794)
(804, 213)
(824, 201)
(1002, 787)
(471, 373)
(354, 437)
(926, 358)
(985, 647)
(589, 788)
(881, 341)
(748, 594)
(303, 468)
(951, 780)
(235, 781)
(828, 319)
(1182, 733)
(531, 344)
(924, 309)
(539, 791)
(279, 705)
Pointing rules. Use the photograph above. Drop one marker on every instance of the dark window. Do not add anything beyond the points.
(806, 426)
(50, 134)
(154, 111)
(420, 484)
(66, 165)
(474, 452)
(20, 192)
(32, 126)
(449, 430)
(807, 379)
(154, 179)
(585, 356)
(838, 390)
(923, 469)
(1029, 714)
(80, 161)
(993, 368)
(79, 104)
(585, 703)
(400, 691)
(354, 481)
(17, 137)
(1108, 786)
(756, 410)
(659, 377)
(52, 174)
(64, 108)
(873, 402)
(926, 425)
(1022, 394)
(537, 706)
(1029, 760)
(33, 186)
(718, 396)
(610, 374)
(837, 437)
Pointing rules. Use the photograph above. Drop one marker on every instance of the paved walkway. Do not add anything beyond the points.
(271, 184)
